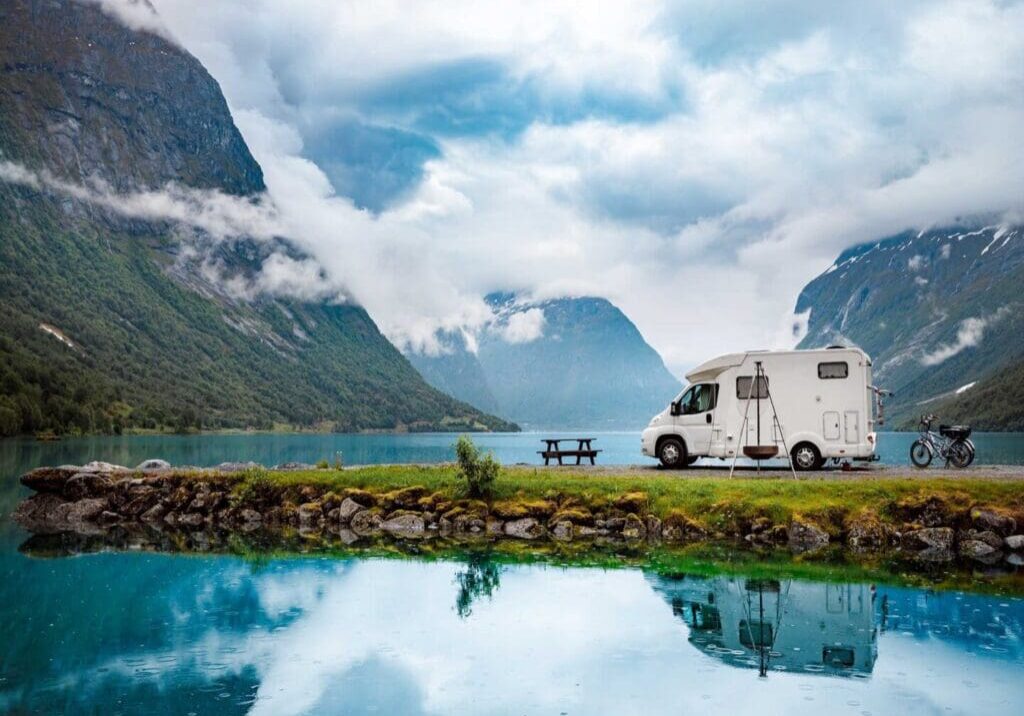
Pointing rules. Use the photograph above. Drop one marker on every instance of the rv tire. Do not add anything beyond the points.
(672, 453)
(806, 457)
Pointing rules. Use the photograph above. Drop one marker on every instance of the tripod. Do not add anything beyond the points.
(759, 452)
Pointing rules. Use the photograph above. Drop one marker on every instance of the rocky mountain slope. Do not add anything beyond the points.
(560, 363)
(941, 313)
(112, 317)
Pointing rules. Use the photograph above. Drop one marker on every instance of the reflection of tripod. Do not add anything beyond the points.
(763, 641)
(758, 386)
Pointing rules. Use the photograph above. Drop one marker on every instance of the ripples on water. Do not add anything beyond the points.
(142, 633)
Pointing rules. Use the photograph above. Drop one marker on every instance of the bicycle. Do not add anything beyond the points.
(952, 443)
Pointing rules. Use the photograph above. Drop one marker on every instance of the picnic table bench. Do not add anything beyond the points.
(552, 451)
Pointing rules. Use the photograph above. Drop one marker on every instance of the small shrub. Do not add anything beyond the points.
(478, 471)
(255, 486)
(322, 465)
(339, 460)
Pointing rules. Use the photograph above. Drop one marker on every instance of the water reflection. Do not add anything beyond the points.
(133, 633)
(768, 624)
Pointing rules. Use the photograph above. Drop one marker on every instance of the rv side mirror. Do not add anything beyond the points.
(674, 408)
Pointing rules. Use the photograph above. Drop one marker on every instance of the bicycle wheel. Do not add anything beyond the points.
(959, 454)
(921, 453)
(970, 449)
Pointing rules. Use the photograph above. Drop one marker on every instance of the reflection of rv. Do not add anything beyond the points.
(823, 399)
(777, 625)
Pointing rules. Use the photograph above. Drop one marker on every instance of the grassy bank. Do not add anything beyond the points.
(720, 504)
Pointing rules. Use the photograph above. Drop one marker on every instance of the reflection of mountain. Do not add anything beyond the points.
(779, 625)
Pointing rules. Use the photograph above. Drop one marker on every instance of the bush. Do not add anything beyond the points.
(322, 465)
(255, 486)
(478, 471)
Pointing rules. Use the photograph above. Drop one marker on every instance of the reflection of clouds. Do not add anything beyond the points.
(311, 636)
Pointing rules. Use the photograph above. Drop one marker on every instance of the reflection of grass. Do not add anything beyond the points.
(716, 502)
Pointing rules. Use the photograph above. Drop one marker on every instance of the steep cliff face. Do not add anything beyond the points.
(937, 310)
(111, 320)
(561, 363)
(89, 98)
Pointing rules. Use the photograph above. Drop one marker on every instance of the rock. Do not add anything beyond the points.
(250, 516)
(109, 518)
(86, 484)
(634, 528)
(929, 538)
(993, 521)
(154, 513)
(679, 528)
(525, 528)
(334, 516)
(347, 509)
(976, 549)
(405, 525)
(615, 524)
(805, 537)
(635, 502)
(988, 537)
(653, 525)
(291, 466)
(100, 466)
(494, 526)
(191, 519)
(310, 513)
(37, 510)
(562, 531)
(1015, 542)
(365, 522)
(1015, 559)
(51, 480)
(86, 510)
(407, 497)
(236, 466)
(153, 464)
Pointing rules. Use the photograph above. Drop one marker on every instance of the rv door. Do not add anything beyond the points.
(697, 416)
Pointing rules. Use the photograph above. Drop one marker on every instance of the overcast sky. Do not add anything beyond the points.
(695, 162)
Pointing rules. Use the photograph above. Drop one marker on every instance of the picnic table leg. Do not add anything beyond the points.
(592, 459)
(559, 458)
(578, 456)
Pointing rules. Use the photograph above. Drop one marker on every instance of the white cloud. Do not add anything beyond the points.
(136, 14)
(968, 335)
(524, 326)
(665, 154)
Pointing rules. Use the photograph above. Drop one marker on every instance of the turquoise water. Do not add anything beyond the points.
(618, 448)
(132, 633)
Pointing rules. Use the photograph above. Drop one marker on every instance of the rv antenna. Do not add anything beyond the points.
(761, 451)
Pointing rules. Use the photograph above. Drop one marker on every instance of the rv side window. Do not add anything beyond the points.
(743, 387)
(699, 399)
(833, 370)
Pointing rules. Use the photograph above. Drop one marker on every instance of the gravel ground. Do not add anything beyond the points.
(858, 472)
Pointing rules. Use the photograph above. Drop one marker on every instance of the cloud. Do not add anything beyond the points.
(135, 14)
(968, 335)
(524, 326)
(718, 154)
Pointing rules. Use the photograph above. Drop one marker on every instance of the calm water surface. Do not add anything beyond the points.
(143, 634)
(618, 448)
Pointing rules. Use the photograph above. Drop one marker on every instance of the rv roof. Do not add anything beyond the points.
(711, 368)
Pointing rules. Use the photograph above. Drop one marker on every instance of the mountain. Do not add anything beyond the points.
(939, 311)
(112, 316)
(559, 363)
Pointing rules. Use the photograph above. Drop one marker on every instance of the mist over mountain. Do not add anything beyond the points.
(559, 363)
(130, 295)
(942, 315)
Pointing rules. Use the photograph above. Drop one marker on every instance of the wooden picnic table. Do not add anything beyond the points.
(553, 451)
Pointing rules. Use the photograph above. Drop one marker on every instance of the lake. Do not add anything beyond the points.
(122, 632)
(618, 448)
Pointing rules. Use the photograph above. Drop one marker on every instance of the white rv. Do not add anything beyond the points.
(824, 400)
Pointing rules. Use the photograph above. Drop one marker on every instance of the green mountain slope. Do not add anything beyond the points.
(937, 310)
(109, 322)
(994, 402)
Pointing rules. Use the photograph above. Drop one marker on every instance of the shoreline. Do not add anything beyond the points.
(929, 518)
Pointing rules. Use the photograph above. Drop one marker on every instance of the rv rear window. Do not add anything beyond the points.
(743, 388)
(833, 370)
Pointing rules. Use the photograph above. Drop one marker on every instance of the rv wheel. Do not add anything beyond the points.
(806, 457)
(672, 453)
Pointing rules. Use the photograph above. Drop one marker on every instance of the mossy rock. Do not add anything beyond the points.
(578, 516)
(518, 509)
(405, 497)
(635, 502)
(364, 498)
(678, 527)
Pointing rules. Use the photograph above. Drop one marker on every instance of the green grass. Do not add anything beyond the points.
(718, 503)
